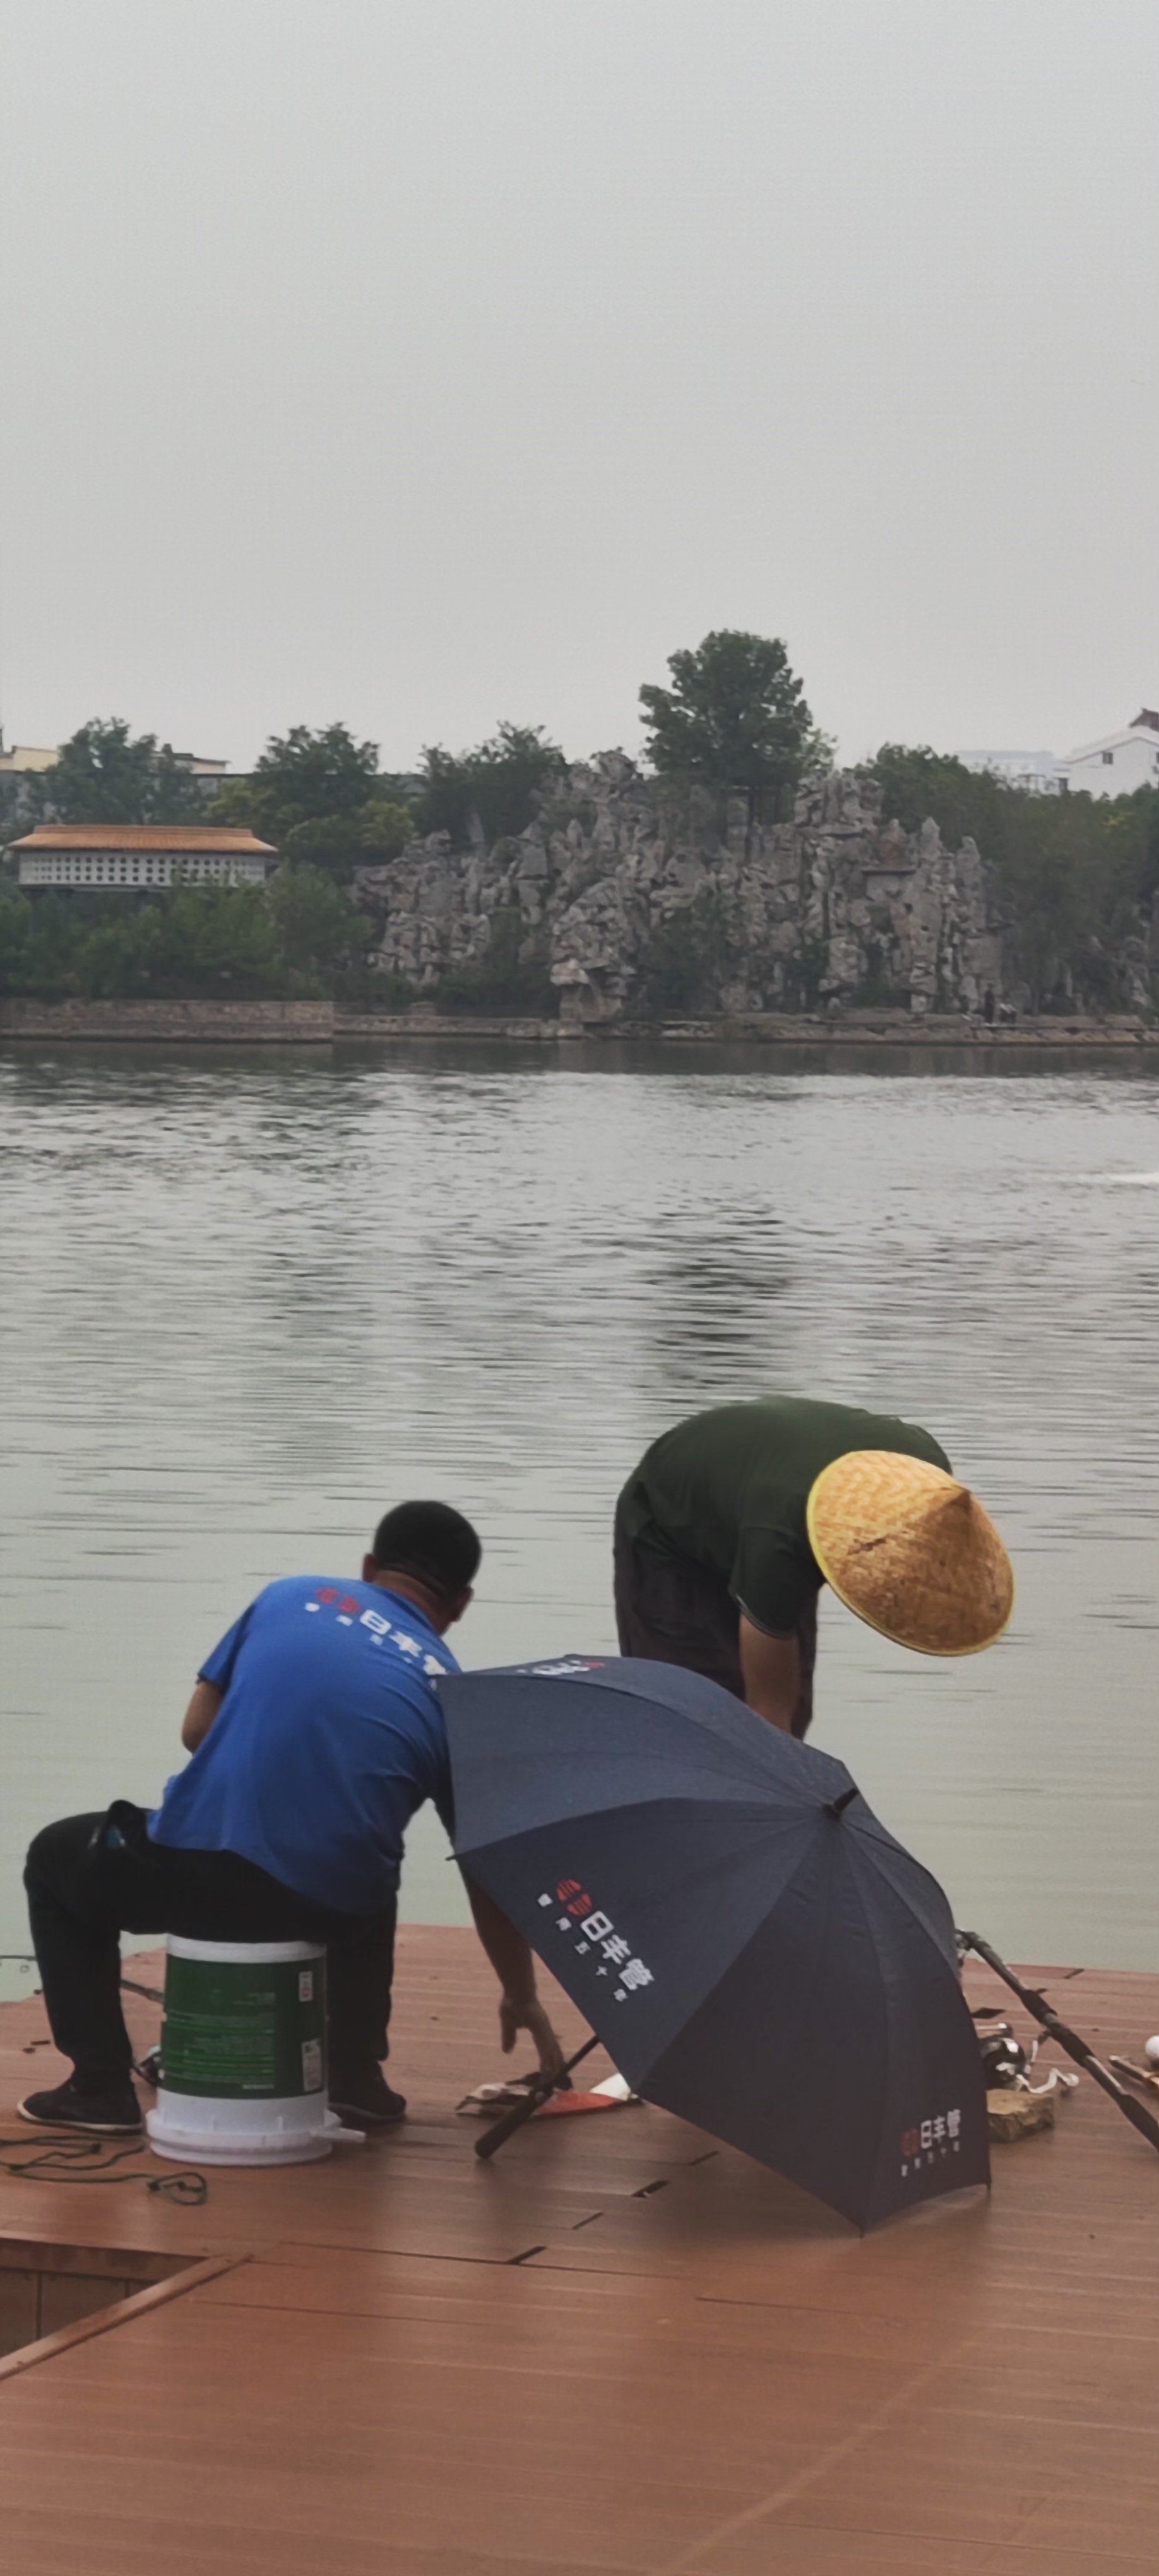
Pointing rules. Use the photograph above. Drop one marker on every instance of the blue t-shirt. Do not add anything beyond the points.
(329, 1736)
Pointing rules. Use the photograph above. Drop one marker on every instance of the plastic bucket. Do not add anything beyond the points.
(243, 2054)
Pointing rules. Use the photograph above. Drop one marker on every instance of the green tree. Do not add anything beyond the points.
(318, 928)
(500, 782)
(337, 844)
(217, 939)
(298, 935)
(307, 773)
(919, 785)
(322, 801)
(121, 955)
(447, 802)
(734, 718)
(15, 934)
(503, 979)
(41, 937)
(302, 777)
(509, 773)
(104, 774)
(685, 959)
(1075, 874)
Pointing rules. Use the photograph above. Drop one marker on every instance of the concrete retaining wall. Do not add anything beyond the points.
(319, 1024)
(169, 1023)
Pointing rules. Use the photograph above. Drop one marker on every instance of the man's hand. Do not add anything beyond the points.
(518, 2013)
(510, 1956)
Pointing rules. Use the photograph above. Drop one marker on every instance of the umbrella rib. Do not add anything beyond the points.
(871, 1928)
(864, 1845)
(861, 1852)
(749, 1809)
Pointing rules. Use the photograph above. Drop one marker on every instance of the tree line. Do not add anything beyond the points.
(1076, 875)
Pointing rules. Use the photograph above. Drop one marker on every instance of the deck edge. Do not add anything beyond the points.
(120, 2312)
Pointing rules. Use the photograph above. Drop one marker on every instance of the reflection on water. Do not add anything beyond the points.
(250, 1300)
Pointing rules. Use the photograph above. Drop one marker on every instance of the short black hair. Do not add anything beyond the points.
(430, 1541)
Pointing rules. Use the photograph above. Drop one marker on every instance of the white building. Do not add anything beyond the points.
(20, 770)
(1036, 771)
(214, 772)
(1119, 763)
(132, 855)
(26, 760)
(23, 759)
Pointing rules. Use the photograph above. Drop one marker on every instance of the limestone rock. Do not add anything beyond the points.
(621, 876)
(1018, 2115)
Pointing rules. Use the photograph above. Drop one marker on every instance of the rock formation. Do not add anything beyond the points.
(637, 898)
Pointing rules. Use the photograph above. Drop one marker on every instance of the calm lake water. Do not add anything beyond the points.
(248, 1300)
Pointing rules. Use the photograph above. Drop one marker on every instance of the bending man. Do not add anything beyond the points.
(732, 1522)
(316, 1732)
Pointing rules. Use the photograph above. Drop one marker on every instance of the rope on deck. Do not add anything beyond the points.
(63, 2157)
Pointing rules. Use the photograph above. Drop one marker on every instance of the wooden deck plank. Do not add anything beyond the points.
(700, 2373)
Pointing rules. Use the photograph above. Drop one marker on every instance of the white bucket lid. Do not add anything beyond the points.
(239, 1954)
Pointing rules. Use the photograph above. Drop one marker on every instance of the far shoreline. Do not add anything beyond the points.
(323, 1024)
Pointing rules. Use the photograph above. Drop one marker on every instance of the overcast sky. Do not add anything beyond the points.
(423, 362)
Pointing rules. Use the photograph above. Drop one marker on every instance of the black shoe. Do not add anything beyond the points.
(109, 2110)
(368, 2103)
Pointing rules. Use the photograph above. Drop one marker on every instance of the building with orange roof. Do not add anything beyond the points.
(132, 856)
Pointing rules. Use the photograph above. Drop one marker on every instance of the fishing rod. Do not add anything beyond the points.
(539, 2090)
(1044, 2013)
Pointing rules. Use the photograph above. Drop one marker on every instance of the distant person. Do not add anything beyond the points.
(316, 1732)
(732, 1522)
(988, 1006)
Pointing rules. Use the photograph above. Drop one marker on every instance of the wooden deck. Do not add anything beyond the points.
(616, 2348)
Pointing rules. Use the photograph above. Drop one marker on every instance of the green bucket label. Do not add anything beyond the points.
(243, 2030)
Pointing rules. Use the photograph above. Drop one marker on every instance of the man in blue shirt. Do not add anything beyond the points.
(316, 1732)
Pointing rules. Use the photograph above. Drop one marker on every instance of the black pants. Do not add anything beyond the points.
(672, 1611)
(90, 1878)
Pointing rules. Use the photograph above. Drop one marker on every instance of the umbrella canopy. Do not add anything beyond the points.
(756, 1951)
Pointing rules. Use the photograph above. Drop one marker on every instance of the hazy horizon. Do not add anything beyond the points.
(427, 367)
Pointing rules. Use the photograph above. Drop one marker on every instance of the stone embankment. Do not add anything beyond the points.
(172, 1023)
(319, 1024)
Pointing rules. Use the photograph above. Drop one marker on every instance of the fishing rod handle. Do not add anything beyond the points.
(1140, 2119)
(498, 2131)
(501, 2130)
(1134, 2111)
(1084, 2055)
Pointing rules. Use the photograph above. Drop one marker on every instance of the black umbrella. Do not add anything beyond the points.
(755, 1950)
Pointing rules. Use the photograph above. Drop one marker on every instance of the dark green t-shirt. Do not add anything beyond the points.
(728, 1489)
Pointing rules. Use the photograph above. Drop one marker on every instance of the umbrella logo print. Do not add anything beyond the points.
(564, 1671)
(599, 1933)
(939, 2135)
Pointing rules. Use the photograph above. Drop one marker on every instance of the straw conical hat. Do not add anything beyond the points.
(911, 1551)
